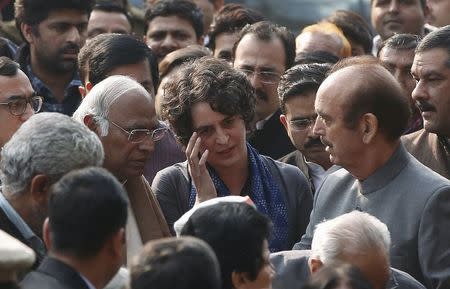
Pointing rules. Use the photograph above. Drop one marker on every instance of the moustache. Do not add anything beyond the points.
(261, 95)
(425, 106)
(324, 142)
(312, 142)
(71, 48)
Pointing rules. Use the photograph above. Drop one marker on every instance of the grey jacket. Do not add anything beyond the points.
(412, 200)
(172, 186)
(292, 271)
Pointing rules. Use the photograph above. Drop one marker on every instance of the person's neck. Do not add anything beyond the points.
(89, 268)
(234, 177)
(325, 162)
(373, 158)
(55, 81)
(20, 204)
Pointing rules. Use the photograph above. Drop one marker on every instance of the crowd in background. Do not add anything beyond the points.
(199, 144)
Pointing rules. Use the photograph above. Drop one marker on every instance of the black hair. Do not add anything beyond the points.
(8, 67)
(439, 38)
(182, 8)
(231, 18)
(402, 41)
(181, 263)
(300, 79)
(100, 57)
(86, 207)
(315, 57)
(354, 27)
(236, 232)
(266, 30)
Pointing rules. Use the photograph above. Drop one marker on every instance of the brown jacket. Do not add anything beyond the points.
(429, 150)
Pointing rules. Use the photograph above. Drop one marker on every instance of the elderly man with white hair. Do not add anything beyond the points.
(44, 148)
(356, 238)
(121, 112)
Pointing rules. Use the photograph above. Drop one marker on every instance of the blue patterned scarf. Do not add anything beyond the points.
(264, 192)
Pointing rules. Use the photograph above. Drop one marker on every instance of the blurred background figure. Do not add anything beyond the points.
(182, 263)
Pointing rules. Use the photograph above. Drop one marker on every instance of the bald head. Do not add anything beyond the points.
(367, 87)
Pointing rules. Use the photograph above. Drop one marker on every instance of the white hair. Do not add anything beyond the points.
(47, 143)
(354, 232)
(99, 100)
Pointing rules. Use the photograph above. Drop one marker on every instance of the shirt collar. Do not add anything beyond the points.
(384, 175)
(88, 283)
(16, 219)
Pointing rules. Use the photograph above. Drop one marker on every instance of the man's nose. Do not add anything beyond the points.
(419, 91)
(318, 128)
(394, 6)
(147, 145)
(73, 35)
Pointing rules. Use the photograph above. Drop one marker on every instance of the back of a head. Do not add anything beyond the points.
(355, 28)
(333, 34)
(232, 18)
(51, 144)
(266, 31)
(182, 263)
(236, 232)
(354, 232)
(315, 57)
(338, 276)
(8, 67)
(86, 207)
(106, 52)
(180, 56)
(374, 90)
(184, 9)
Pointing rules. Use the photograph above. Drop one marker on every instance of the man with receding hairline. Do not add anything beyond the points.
(362, 134)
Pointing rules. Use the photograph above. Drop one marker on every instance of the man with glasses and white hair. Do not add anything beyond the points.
(44, 148)
(15, 95)
(356, 238)
(121, 112)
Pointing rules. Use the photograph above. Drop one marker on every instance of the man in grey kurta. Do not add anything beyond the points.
(361, 116)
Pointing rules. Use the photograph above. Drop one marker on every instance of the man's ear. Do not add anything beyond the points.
(117, 242)
(314, 265)
(283, 120)
(85, 89)
(239, 280)
(90, 122)
(46, 234)
(27, 32)
(39, 189)
(368, 127)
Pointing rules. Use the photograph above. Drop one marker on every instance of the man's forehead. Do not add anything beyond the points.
(437, 59)
(72, 16)
(254, 51)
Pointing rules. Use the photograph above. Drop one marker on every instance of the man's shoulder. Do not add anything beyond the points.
(291, 268)
(403, 280)
(53, 274)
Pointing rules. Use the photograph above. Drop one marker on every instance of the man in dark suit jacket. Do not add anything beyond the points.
(357, 238)
(263, 52)
(84, 232)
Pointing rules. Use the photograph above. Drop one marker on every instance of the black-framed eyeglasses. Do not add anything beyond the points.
(266, 77)
(138, 135)
(302, 123)
(18, 105)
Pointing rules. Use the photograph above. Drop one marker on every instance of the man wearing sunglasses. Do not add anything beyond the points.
(297, 92)
(17, 99)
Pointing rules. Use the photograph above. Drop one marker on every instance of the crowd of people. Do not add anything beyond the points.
(204, 146)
